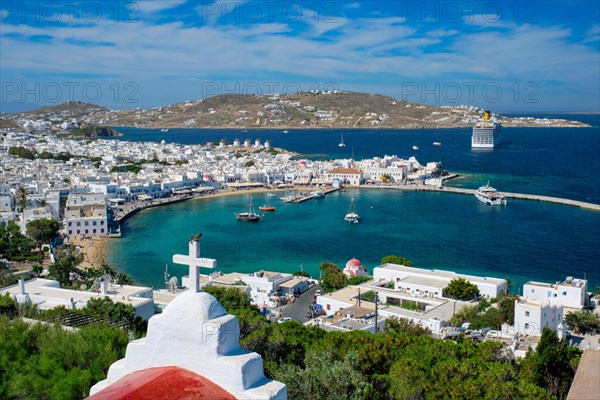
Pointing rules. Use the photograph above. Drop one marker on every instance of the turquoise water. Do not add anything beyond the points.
(523, 241)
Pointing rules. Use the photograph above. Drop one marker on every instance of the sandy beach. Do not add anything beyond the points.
(94, 250)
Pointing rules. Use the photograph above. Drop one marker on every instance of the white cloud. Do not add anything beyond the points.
(146, 7)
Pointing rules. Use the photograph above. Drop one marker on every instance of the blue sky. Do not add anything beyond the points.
(507, 56)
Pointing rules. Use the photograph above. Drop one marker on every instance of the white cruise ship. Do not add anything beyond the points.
(486, 134)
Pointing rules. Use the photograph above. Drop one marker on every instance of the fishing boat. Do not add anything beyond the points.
(488, 195)
(342, 144)
(250, 215)
(267, 207)
(437, 144)
(352, 216)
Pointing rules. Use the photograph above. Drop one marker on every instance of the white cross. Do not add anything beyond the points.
(194, 261)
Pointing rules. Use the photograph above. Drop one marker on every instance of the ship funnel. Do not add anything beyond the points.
(486, 116)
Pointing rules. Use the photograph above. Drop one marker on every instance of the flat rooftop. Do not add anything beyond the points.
(426, 281)
(54, 295)
(440, 273)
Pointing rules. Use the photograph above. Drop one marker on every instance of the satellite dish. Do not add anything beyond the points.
(83, 286)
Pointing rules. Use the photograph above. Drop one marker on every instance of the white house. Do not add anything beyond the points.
(431, 282)
(531, 317)
(355, 268)
(348, 176)
(86, 214)
(569, 293)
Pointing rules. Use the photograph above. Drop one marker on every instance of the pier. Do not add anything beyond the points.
(311, 196)
(520, 196)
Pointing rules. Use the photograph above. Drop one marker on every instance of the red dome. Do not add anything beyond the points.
(353, 263)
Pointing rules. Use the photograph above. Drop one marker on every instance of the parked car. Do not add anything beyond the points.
(318, 292)
(284, 319)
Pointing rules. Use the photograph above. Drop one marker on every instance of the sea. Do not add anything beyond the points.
(523, 241)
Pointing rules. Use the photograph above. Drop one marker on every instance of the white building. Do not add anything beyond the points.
(355, 268)
(431, 282)
(569, 293)
(347, 176)
(86, 214)
(531, 317)
(47, 294)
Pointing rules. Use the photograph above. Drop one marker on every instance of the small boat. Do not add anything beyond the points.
(488, 195)
(267, 208)
(285, 131)
(164, 130)
(245, 131)
(287, 199)
(437, 144)
(415, 147)
(352, 216)
(271, 195)
(250, 215)
(318, 194)
(342, 142)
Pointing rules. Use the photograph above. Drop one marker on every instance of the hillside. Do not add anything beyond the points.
(300, 110)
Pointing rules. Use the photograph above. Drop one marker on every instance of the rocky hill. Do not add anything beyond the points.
(309, 110)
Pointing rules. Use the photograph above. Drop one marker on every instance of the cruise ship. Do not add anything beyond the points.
(486, 134)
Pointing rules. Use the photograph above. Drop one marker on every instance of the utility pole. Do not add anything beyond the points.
(376, 300)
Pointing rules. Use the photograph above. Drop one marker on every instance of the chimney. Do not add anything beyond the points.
(21, 285)
(104, 283)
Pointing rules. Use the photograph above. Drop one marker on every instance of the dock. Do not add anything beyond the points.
(311, 196)
(520, 196)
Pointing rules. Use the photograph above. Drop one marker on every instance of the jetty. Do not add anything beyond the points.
(520, 196)
(311, 196)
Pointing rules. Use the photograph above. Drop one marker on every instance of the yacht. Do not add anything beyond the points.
(415, 147)
(342, 142)
(352, 215)
(437, 144)
(488, 195)
(486, 134)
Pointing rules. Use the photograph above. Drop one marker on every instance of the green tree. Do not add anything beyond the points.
(43, 230)
(105, 268)
(392, 259)
(507, 308)
(302, 273)
(230, 298)
(461, 289)
(8, 307)
(406, 326)
(21, 196)
(582, 321)
(555, 364)
(37, 269)
(124, 279)
(249, 164)
(64, 266)
(332, 277)
(21, 152)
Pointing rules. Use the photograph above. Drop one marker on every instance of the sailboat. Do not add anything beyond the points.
(250, 215)
(342, 142)
(352, 216)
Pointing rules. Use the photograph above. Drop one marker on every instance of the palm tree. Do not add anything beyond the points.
(582, 321)
(124, 279)
(21, 195)
(105, 268)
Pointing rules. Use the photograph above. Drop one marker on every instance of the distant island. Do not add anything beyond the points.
(314, 109)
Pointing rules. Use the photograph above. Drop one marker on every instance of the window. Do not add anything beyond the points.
(102, 230)
(549, 293)
(70, 223)
(526, 326)
(527, 313)
(94, 231)
(101, 223)
(532, 290)
(78, 231)
(86, 223)
(94, 223)
(564, 293)
(328, 307)
(70, 232)
(78, 223)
